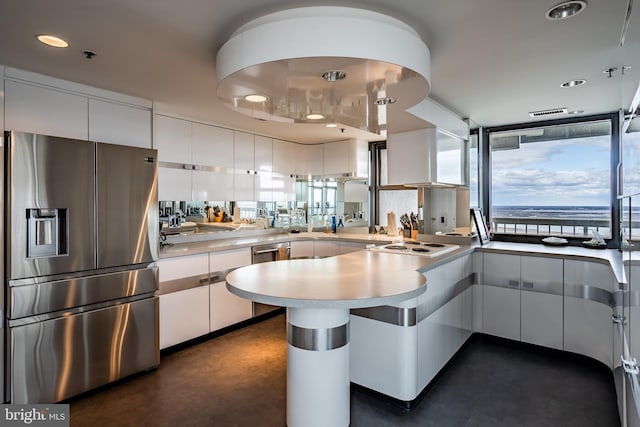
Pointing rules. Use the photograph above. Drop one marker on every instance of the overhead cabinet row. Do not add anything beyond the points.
(36, 108)
(204, 162)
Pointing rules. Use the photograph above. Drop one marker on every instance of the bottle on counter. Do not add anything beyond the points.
(340, 223)
(333, 224)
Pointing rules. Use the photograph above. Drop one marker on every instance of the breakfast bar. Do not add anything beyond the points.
(318, 294)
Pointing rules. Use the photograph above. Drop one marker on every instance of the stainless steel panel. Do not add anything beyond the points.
(48, 172)
(127, 206)
(57, 359)
(397, 316)
(31, 300)
(318, 339)
(591, 293)
(407, 317)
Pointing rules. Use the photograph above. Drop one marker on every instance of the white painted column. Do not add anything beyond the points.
(318, 391)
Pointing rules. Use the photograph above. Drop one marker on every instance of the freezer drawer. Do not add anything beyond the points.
(59, 358)
(33, 299)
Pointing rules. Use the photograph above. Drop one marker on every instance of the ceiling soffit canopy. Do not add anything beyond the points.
(282, 56)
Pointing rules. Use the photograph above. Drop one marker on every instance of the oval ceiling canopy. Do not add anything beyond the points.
(363, 56)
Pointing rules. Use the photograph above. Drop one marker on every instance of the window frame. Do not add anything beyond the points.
(486, 174)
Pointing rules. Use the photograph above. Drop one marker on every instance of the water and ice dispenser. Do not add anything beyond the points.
(47, 232)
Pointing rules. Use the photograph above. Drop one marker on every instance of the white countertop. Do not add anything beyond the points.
(355, 280)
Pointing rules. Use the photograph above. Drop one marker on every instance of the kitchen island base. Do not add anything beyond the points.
(318, 392)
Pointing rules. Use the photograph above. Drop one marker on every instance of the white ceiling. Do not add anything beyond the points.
(492, 61)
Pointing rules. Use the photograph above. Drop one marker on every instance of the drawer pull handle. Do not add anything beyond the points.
(204, 281)
(514, 283)
(528, 285)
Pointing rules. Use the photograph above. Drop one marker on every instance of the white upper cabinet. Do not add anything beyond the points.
(119, 124)
(311, 160)
(253, 163)
(173, 142)
(284, 170)
(425, 156)
(36, 109)
(45, 105)
(346, 158)
(243, 146)
(197, 160)
(284, 157)
(212, 158)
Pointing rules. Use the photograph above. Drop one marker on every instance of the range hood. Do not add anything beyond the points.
(433, 156)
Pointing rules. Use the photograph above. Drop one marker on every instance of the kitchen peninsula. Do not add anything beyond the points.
(318, 294)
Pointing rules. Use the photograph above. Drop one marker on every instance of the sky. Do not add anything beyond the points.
(571, 172)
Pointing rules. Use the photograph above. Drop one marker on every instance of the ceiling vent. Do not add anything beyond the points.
(551, 112)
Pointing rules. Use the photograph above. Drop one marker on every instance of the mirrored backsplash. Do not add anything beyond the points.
(317, 202)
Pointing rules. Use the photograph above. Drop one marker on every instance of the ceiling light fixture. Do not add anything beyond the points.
(574, 83)
(385, 101)
(333, 75)
(331, 125)
(52, 41)
(315, 116)
(566, 9)
(255, 98)
(309, 71)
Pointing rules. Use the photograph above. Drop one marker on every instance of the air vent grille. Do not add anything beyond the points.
(551, 112)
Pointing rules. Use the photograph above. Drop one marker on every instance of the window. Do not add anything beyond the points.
(553, 179)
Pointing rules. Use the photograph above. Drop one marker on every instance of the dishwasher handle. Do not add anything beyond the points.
(266, 251)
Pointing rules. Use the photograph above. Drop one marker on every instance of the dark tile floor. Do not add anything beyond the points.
(239, 379)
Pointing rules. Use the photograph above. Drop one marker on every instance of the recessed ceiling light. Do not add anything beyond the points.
(334, 75)
(331, 125)
(575, 112)
(574, 83)
(315, 116)
(566, 9)
(255, 98)
(385, 101)
(52, 41)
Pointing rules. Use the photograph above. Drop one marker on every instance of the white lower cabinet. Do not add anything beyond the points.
(588, 328)
(184, 315)
(541, 303)
(324, 249)
(194, 299)
(501, 295)
(226, 308)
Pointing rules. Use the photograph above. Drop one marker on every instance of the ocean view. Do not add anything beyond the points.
(552, 220)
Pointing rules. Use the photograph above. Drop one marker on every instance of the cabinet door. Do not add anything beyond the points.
(212, 149)
(284, 157)
(501, 295)
(542, 301)
(588, 328)
(45, 111)
(312, 162)
(263, 161)
(243, 159)
(173, 142)
(336, 158)
(119, 124)
(227, 308)
(184, 315)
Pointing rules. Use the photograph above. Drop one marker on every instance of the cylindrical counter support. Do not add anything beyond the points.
(318, 392)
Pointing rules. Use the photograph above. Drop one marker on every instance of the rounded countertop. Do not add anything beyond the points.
(355, 280)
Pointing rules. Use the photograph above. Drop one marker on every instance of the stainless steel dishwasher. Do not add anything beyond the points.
(268, 253)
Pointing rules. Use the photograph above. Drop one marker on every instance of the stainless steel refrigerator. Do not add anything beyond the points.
(81, 241)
